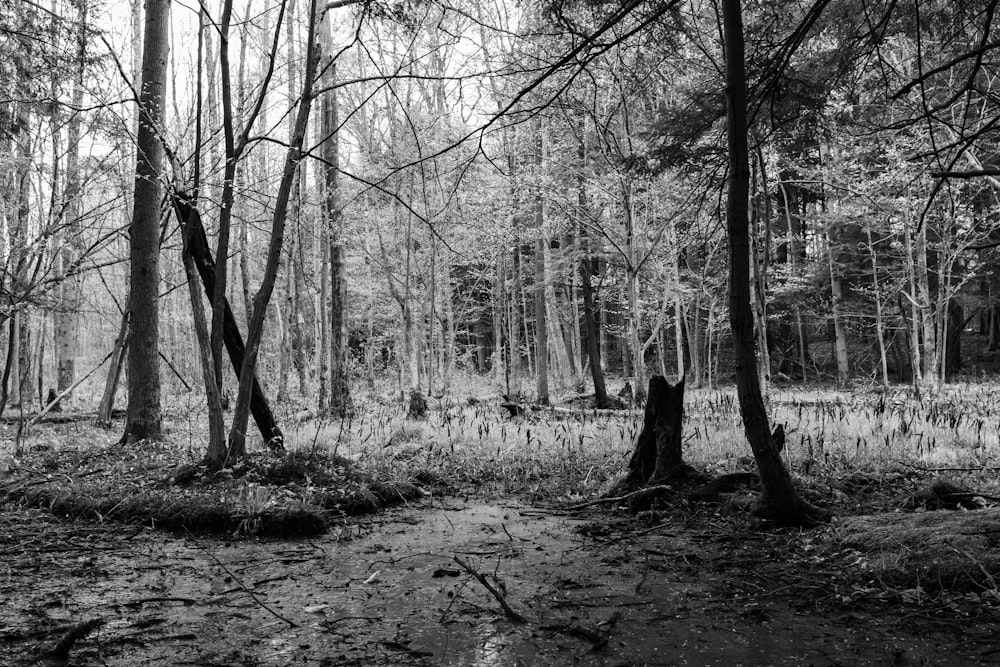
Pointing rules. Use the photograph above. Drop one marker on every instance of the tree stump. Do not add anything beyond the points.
(417, 407)
(657, 458)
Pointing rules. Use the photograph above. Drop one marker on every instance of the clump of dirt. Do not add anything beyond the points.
(934, 551)
(264, 495)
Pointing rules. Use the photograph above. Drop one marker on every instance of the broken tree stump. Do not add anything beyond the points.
(657, 458)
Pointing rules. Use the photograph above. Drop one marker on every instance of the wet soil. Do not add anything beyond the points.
(594, 589)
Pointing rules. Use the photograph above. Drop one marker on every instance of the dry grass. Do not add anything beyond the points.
(829, 433)
(925, 551)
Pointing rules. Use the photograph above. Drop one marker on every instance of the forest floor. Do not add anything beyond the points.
(906, 575)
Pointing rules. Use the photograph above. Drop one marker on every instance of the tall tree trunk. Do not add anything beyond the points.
(591, 325)
(301, 311)
(930, 358)
(675, 266)
(411, 348)
(758, 299)
(499, 363)
(779, 501)
(541, 332)
(634, 356)
(839, 331)
(67, 317)
(916, 369)
(143, 414)
(879, 317)
(339, 401)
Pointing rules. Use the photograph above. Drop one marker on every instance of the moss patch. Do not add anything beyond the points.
(292, 496)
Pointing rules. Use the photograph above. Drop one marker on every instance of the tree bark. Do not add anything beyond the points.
(143, 419)
(779, 501)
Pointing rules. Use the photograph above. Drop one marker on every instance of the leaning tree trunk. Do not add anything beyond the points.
(779, 501)
(196, 244)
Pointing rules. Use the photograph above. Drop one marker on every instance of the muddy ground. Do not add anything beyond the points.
(594, 588)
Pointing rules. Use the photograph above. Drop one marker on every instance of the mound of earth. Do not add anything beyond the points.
(263, 494)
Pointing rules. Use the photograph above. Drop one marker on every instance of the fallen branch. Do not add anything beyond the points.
(56, 417)
(59, 655)
(598, 640)
(973, 469)
(618, 499)
(249, 592)
(511, 614)
(55, 401)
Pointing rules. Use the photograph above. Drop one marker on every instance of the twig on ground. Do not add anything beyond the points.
(249, 592)
(598, 640)
(986, 573)
(639, 533)
(618, 499)
(511, 614)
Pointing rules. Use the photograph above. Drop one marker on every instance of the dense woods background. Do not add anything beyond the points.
(531, 195)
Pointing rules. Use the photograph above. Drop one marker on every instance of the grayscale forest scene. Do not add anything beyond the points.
(497, 333)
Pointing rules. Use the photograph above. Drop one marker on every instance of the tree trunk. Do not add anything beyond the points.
(590, 323)
(916, 370)
(143, 414)
(541, 328)
(926, 311)
(780, 501)
(339, 398)
(879, 318)
(68, 316)
(839, 331)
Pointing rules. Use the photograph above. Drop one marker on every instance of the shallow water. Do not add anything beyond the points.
(387, 591)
